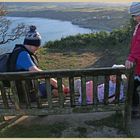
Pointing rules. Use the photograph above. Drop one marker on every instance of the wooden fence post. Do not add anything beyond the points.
(128, 103)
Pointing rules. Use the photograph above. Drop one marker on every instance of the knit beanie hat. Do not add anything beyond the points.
(32, 37)
(135, 9)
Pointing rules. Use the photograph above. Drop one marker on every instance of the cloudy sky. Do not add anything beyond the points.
(67, 0)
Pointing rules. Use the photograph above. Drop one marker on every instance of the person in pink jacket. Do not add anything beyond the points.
(134, 56)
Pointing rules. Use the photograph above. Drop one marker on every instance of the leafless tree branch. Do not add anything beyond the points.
(2, 10)
(6, 33)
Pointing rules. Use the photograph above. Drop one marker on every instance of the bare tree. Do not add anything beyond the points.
(6, 33)
(2, 10)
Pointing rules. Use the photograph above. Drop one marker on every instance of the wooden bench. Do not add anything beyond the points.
(11, 105)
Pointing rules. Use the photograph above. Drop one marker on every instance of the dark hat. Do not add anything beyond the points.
(32, 37)
(135, 9)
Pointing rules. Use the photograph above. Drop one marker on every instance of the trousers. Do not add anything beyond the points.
(135, 97)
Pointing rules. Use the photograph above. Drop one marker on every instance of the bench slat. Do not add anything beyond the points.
(83, 90)
(49, 94)
(106, 89)
(60, 92)
(37, 92)
(3, 95)
(15, 95)
(72, 96)
(117, 91)
(26, 93)
(95, 85)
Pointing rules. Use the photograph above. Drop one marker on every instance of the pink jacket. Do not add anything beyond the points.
(100, 91)
(134, 55)
(89, 92)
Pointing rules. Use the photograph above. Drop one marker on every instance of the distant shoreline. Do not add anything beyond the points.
(82, 19)
(50, 16)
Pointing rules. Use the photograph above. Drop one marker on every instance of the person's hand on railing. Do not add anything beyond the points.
(129, 64)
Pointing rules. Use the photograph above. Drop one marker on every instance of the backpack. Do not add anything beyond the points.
(14, 55)
(4, 62)
(8, 64)
(8, 60)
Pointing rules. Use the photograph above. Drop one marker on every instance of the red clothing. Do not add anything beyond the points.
(134, 55)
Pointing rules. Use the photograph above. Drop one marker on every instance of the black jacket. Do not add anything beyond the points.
(14, 55)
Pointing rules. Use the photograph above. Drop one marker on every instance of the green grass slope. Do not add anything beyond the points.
(88, 50)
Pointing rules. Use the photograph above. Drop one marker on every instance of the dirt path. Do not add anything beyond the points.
(76, 124)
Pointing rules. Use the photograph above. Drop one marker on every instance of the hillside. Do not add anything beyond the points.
(99, 16)
(75, 59)
(84, 51)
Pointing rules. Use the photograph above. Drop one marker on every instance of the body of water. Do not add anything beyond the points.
(50, 30)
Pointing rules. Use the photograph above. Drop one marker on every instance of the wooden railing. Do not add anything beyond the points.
(12, 104)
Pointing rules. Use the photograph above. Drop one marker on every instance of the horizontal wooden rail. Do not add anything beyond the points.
(63, 73)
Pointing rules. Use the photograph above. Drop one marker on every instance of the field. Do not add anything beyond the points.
(82, 58)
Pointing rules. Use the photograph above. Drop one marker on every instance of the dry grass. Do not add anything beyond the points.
(66, 60)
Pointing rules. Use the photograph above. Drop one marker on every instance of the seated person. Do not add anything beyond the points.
(89, 90)
(112, 88)
(23, 58)
(100, 89)
(54, 90)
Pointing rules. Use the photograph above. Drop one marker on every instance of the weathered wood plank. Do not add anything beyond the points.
(3, 94)
(117, 91)
(60, 92)
(71, 86)
(62, 73)
(15, 95)
(26, 92)
(37, 92)
(66, 110)
(106, 90)
(95, 92)
(128, 101)
(83, 90)
(49, 92)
